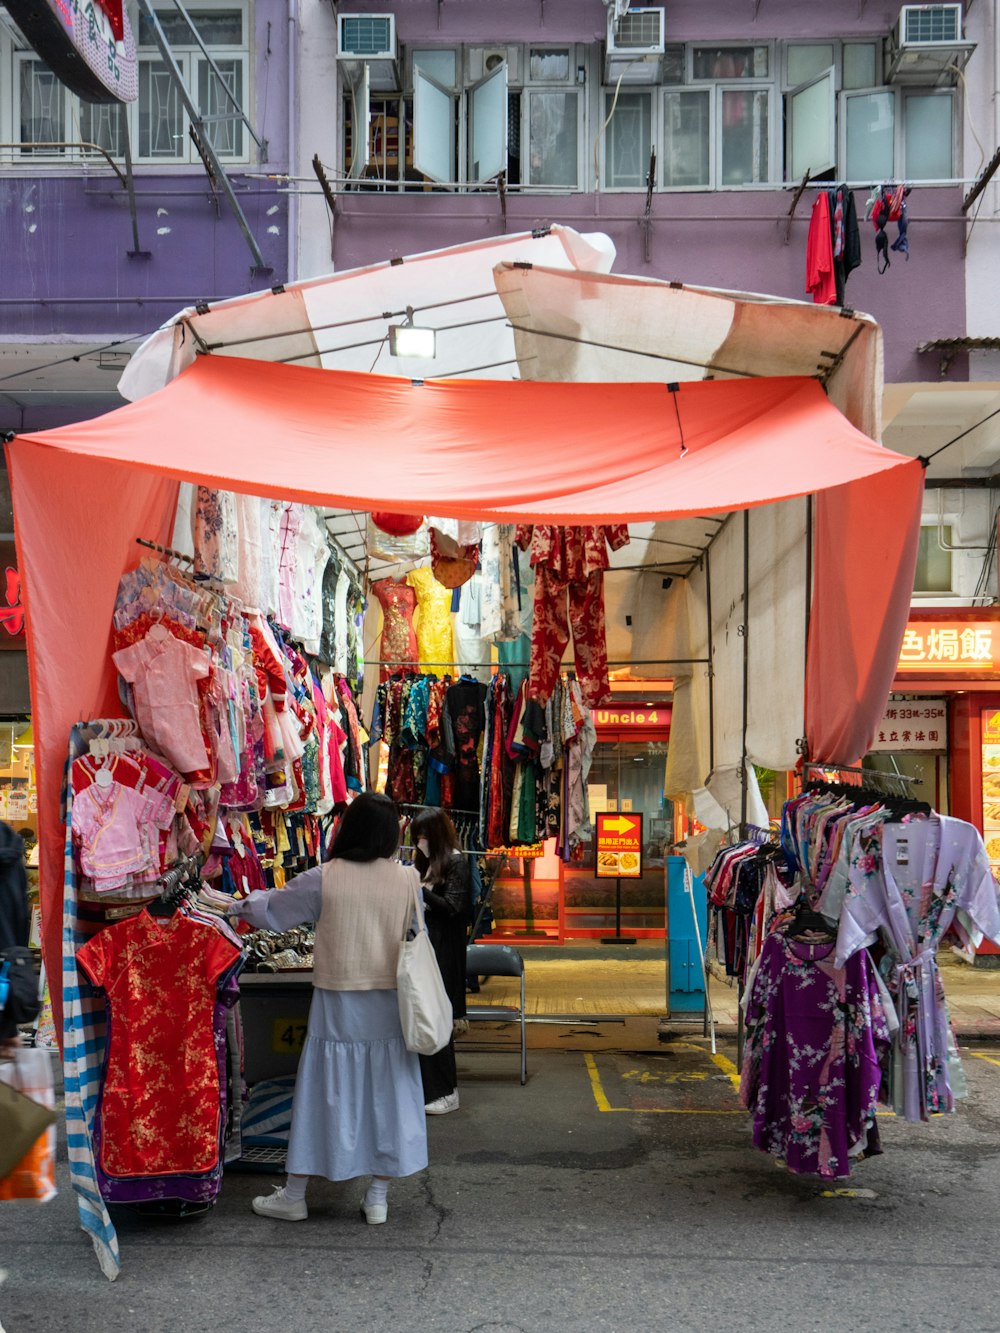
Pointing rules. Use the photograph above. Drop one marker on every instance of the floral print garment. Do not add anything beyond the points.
(907, 882)
(160, 1098)
(811, 1069)
(216, 534)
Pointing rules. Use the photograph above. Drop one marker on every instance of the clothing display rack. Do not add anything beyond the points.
(505, 666)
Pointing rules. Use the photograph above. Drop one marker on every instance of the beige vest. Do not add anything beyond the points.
(366, 910)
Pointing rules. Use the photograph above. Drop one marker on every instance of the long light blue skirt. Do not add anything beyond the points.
(359, 1103)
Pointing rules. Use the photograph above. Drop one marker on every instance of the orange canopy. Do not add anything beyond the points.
(563, 452)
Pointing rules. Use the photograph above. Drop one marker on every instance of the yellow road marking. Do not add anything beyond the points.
(595, 1083)
(988, 1058)
(718, 1059)
(848, 1194)
(600, 1096)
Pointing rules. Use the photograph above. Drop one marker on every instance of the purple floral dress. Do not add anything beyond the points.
(811, 1069)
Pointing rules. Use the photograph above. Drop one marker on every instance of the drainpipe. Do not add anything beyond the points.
(294, 35)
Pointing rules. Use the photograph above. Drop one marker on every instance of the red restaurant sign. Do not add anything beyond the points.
(950, 648)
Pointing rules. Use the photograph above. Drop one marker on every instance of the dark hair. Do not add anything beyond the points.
(442, 842)
(368, 829)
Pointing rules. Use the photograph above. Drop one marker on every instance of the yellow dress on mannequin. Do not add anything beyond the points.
(433, 619)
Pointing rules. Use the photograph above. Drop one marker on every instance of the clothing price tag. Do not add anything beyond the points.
(181, 799)
(902, 854)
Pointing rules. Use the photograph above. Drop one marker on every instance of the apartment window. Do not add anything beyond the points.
(928, 136)
(553, 125)
(744, 136)
(41, 106)
(933, 572)
(36, 108)
(162, 126)
(869, 135)
(730, 62)
(628, 139)
(475, 112)
(895, 132)
(860, 64)
(805, 61)
(687, 138)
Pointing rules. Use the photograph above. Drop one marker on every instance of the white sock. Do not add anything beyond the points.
(378, 1191)
(295, 1188)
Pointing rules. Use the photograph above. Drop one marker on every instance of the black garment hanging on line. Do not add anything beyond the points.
(845, 236)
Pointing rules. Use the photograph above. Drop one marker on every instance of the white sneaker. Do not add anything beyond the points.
(375, 1213)
(276, 1205)
(443, 1104)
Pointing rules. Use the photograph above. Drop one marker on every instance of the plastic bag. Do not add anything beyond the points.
(34, 1176)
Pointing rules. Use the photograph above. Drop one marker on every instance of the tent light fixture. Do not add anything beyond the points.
(408, 339)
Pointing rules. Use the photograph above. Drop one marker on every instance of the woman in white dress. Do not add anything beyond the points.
(358, 1108)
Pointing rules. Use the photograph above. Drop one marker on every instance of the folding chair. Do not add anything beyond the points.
(498, 960)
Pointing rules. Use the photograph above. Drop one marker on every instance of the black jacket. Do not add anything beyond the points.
(447, 906)
(14, 918)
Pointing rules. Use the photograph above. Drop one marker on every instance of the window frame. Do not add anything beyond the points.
(189, 58)
(737, 80)
(607, 91)
(775, 148)
(899, 94)
(947, 527)
(462, 94)
(528, 92)
(905, 92)
(707, 91)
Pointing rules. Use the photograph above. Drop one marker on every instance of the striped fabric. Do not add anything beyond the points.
(83, 1057)
(267, 1116)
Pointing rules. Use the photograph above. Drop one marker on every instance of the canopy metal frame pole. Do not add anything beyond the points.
(205, 144)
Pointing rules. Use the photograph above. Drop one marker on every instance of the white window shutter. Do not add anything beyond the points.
(433, 128)
(812, 127)
(488, 126)
(361, 120)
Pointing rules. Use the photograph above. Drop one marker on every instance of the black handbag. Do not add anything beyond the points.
(17, 970)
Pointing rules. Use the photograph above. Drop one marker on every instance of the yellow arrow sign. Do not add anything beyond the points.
(619, 825)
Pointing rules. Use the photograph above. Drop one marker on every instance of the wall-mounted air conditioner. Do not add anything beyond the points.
(369, 39)
(635, 46)
(481, 61)
(926, 46)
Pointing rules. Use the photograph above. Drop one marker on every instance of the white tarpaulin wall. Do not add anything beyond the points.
(593, 327)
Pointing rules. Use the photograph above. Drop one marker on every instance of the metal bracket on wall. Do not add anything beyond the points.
(800, 189)
(324, 185)
(199, 134)
(137, 252)
(647, 216)
(502, 192)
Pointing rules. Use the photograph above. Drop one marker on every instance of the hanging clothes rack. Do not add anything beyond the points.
(503, 666)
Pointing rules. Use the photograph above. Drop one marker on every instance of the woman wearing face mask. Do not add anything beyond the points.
(444, 870)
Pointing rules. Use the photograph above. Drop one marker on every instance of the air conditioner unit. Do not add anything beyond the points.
(483, 60)
(635, 46)
(369, 39)
(926, 46)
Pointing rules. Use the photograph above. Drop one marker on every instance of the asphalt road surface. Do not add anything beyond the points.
(615, 1191)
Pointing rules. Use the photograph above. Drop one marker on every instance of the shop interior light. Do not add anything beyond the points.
(26, 740)
(407, 339)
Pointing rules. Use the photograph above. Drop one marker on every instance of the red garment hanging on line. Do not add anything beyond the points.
(819, 254)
